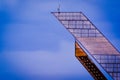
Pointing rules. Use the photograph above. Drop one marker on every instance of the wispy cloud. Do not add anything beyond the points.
(44, 63)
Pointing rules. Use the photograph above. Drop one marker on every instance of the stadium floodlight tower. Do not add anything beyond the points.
(91, 44)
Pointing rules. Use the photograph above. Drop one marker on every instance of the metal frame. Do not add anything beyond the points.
(88, 63)
(111, 63)
(92, 40)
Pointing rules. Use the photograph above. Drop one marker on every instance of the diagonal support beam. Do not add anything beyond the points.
(88, 64)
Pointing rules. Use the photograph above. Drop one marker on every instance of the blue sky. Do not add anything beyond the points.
(35, 46)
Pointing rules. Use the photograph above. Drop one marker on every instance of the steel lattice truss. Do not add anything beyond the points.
(92, 40)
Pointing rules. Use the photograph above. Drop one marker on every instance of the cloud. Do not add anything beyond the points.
(45, 63)
(35, 11)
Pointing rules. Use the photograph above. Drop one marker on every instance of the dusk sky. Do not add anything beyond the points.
(35, 46)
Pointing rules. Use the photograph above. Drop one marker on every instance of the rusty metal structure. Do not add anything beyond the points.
(91, 44)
